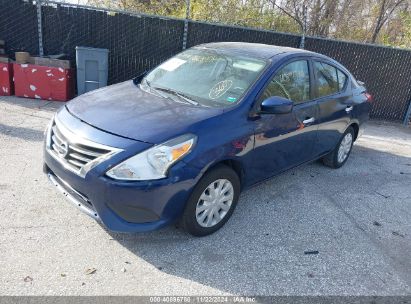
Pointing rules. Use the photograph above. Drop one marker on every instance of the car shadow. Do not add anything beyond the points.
(28, 134)
(298, 233)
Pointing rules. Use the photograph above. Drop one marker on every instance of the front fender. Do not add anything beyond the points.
(235, 151)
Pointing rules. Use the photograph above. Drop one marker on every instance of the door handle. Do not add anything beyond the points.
(348, 109)
(308, 120)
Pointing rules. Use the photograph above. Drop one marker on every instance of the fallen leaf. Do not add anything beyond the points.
(91, 270)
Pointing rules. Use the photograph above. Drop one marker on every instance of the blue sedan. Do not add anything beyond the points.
(183, 140)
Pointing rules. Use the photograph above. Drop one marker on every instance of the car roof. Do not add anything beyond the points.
(259, 50)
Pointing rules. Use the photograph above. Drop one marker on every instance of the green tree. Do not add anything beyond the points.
(374, 21)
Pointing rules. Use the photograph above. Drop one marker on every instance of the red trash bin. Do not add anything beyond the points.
(42, 82)
(6, 79)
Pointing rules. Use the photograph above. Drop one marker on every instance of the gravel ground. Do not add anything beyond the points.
(357, 218)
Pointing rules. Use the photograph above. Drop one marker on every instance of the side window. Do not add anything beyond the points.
(342, 79)
(291, 82)
(330, 80)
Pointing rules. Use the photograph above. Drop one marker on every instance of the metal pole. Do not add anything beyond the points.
(186, 24)
(304, 27)
(40, 28)
(407, 117)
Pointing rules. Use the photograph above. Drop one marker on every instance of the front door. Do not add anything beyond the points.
(283, 141)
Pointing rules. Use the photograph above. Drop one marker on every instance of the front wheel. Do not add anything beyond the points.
(212, 202)
(338, 157)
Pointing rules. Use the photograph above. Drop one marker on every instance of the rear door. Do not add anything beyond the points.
(286, 140)
(333, 94)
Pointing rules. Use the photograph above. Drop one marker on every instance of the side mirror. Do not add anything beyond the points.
(276, 105)
(138, 78)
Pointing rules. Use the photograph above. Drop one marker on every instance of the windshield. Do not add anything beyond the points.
(205, 77)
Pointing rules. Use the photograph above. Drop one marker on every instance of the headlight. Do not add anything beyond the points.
(154, 162)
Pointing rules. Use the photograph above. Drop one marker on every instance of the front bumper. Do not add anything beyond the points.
(124, 206)
(77, 199)
(121, 206)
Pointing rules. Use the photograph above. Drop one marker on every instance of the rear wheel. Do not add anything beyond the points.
(338, 157)
(212, 202)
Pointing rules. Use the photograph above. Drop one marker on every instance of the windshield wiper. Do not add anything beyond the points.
(178, 94)
(153, 89)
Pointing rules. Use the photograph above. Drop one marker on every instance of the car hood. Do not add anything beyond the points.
(126, 110)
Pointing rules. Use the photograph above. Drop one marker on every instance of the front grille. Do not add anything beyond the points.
(75, 153)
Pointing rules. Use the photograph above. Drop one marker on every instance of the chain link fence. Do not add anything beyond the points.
(138, 42)
(18, 26)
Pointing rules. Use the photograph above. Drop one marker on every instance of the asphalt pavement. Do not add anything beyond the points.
(310, 231)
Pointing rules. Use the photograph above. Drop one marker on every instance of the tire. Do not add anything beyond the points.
(333, 159)
(196, 215)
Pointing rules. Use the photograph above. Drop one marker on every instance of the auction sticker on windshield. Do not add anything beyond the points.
(248, 65)
(172, 64)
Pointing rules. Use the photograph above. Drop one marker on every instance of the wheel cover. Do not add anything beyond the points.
(345, 148)
(214, 203)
